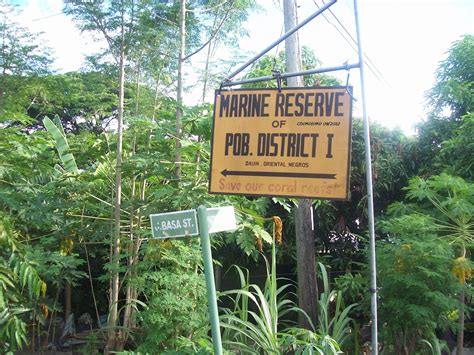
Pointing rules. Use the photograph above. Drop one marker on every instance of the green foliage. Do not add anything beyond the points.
(269, 64)
(457, 151)
(257, 322)
(57, 132)
(334, 319)
(22, 52)
(418, 289)
(431, 136)
(171, 281)
(56, 268)
(451, 101)
(20, 288)
(352, 286)
(455, 80)
(436, 346)
(340, 226)
(82, 100)
(448, 203)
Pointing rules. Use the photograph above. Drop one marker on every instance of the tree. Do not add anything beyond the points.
(23, 60)
(21, 52)
(427, 236)
(223, 17)
(450, 99)
(222, 24)
(83, 101)
(342, 223)
(179, 88)
(116, 22)
(456, 152)
(452, 95)
(417, 291)
(305, 250)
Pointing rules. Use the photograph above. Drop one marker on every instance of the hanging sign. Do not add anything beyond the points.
(293, 142)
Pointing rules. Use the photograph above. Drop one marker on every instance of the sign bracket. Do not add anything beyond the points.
(345, 66)
(277, 75)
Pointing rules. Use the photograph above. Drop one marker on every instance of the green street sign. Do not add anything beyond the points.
(174, 224)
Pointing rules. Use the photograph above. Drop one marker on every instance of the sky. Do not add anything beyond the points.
(404, 41)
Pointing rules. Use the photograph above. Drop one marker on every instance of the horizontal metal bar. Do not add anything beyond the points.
(278, 41)
(289, 75)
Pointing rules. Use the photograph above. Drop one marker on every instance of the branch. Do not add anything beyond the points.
(211, 38)
(208, 9)
(101, 26)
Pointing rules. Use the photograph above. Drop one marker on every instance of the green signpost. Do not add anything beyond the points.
(210, 285)
(187, 223)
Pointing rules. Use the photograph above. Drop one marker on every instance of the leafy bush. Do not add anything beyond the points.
(417, 288)
(20, 289)
(417, 264)
(172, 283)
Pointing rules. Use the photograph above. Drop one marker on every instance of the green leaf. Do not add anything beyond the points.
(61, 145)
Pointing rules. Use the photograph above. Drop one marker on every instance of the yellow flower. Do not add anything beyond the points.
(406, 246)
(278, 229)
(44, 309)
(462, 269)
(65, 247)
(453, 315)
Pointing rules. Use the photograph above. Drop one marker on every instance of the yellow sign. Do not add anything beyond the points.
(293, 142)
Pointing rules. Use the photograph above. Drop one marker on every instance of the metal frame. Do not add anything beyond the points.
(368, 161)
(289, 75)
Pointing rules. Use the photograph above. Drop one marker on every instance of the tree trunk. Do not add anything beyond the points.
(305, 251)
(127, 314)
(460, 338)
(155, 100)
(114, 341)
(206, 72)
(179, 93)
(137, 103)
(67, 300)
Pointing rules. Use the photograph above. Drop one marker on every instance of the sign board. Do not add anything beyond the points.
(184, 223)
(295, 142)
(174, 224)
(221, 219)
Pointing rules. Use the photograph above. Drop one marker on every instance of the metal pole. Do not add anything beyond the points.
(370, 199)
(281, 39)
(210, 286)
(290, 75)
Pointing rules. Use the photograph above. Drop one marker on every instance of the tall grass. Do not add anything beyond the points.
(335, 324)
(254, 325)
